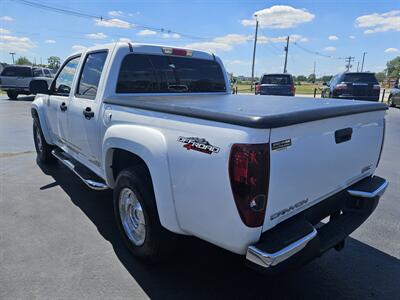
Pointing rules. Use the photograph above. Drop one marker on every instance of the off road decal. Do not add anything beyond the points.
(281, 144)
(198, 144)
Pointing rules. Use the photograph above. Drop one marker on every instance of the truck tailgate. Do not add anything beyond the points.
(311, 161)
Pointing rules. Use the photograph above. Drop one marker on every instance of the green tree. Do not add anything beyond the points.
(326, 78)
(54, 62)
(311, 78)
(380, 76)
(301, 78)
(23, 61)
(393, 67)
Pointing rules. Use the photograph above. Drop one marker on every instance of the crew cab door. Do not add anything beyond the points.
(58, 101)
(84, 119)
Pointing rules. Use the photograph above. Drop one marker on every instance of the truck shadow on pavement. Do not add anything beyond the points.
(200, 270)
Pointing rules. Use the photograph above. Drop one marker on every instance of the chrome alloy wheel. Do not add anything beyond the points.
(38, 138)
(132, 217)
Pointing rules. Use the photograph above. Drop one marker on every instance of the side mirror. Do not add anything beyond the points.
(39, 86)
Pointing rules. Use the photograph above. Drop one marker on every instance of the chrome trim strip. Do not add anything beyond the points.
(378, 192)
(89, 182)
(266, 260)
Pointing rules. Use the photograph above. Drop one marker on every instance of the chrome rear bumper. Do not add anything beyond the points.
(346, 213)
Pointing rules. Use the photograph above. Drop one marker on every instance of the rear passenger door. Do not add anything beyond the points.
(84, 110)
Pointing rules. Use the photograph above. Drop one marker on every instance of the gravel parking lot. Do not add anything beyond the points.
(58, 240)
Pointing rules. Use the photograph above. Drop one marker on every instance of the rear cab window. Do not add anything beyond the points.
(277, 79)
(17, 72)
(360, 78)
(142, 73)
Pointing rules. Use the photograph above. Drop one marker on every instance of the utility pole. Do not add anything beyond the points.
(12, 54)
(286, 50)
(362, 64)
(315, 77)
(348, 61)
(358, 65)
(254, 55)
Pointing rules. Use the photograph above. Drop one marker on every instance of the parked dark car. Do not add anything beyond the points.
(15, 79)
(277, 84)
(352, 85)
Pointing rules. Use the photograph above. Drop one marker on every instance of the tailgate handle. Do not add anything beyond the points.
(343, 135)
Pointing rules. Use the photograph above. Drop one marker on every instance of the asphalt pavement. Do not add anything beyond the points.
(58, 240)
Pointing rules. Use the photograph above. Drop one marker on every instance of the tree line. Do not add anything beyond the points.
(53, 62)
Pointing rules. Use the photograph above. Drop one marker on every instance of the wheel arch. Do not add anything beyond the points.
(37, 112)
(127, 145)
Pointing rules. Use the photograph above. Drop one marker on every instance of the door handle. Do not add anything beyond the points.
(63, 106)
(343, 135)
(88, 113)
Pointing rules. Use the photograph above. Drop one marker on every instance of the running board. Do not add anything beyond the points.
(87, 176)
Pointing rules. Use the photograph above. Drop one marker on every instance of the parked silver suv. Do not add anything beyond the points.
(15, 79)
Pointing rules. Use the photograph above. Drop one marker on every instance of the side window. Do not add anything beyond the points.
(47, 73)
(37, 73)
(63, 82)
(90, 75)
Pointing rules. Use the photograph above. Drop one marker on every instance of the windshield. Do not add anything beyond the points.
(360, 77)
(276, 79)
(141, 73)
(17, 71)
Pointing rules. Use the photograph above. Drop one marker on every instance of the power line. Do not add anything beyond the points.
(81, 14)
(316, 52)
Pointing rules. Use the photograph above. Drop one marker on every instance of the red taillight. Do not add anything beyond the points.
(341, 86)
(177, 51)
(249, 175)
(293, 89)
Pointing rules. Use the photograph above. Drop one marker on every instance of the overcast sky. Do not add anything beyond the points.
(333, 29)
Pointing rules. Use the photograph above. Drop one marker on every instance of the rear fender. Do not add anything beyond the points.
(149, 144)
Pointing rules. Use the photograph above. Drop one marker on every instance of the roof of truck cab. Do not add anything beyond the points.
(143, 48)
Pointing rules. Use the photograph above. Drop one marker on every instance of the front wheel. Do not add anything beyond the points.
(137, 217)
(12, 95)
(43, 149)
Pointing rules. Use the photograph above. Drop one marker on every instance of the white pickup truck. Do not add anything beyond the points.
(253, 175)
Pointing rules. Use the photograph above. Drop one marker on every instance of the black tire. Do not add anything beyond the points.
(43, 149)
(12, 95)
(157, 241)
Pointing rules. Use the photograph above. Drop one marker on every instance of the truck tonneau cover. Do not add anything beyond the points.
(248, 110)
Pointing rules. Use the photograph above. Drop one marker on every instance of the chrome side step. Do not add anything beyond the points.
(87, 176)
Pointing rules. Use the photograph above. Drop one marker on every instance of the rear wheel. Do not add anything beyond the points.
(43, 149)
(137, 217)
(12, 95)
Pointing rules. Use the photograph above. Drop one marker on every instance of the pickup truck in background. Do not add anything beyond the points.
(15, 79)
(159, 126)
